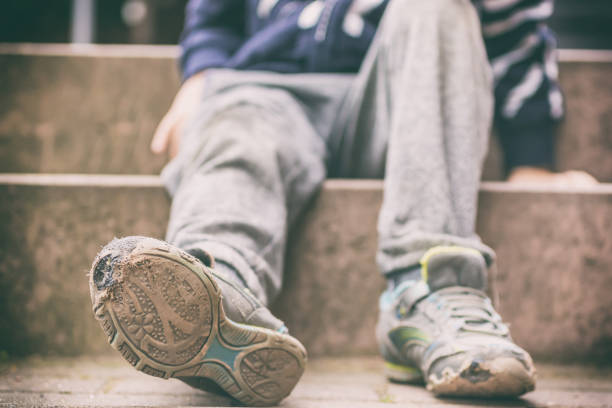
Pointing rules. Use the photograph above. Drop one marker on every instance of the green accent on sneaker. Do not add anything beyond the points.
(402, 373)
(402, 368)
(402, 335)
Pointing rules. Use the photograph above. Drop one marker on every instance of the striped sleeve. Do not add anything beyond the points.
(528, 101)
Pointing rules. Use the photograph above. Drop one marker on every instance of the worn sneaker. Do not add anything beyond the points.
(444, 330)
(169, 315)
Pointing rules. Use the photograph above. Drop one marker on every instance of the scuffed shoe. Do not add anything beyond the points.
(165, 312)
(443, 330)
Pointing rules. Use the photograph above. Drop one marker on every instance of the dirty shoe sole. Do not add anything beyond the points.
(161, 309)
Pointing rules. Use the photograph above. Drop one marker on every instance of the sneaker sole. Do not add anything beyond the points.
(163, 313)
(501, 377)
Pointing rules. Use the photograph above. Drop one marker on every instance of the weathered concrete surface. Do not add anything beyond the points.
(554, 248)
(84, 114)
(66, 109)
(555, 263)
(354, 382)
(50, 234)
(585, 140)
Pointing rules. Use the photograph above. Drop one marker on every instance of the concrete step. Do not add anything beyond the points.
(347, 382)
(77, 109)
(93, 109)
(554, 250)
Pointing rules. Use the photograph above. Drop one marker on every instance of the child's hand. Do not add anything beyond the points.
(168, 133)
(534, 175)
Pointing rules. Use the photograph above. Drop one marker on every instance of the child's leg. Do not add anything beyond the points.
(419, 114)
(245, 169)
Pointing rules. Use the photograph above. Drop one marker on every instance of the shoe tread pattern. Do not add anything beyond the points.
(160, 315)
(270, 371)
(174, 331)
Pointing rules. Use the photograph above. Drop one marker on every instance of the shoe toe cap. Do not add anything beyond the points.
(489, 371)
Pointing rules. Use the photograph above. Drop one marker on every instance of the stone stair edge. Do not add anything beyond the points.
(90, 50)
(78, 180)
(138, 180)
(173, 51)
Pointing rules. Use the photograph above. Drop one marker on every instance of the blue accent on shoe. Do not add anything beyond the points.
(217, 351)
(388, 297)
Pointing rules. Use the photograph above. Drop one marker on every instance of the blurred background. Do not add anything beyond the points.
(585, 24)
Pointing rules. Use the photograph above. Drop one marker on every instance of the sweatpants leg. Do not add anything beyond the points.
(244, 170)
(419, 113)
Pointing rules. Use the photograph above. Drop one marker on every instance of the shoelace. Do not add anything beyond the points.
(473, 309)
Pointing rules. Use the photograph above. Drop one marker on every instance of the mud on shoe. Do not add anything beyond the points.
(444, 331)
(162, 309)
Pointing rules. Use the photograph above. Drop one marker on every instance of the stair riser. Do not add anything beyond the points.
(88, 114)
(554, 251)
(62, 114)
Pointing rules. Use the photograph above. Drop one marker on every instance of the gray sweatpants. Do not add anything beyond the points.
(418, 114)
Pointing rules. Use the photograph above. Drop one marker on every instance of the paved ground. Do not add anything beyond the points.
(354, 382)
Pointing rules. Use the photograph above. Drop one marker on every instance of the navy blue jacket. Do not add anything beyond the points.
(292, 36)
